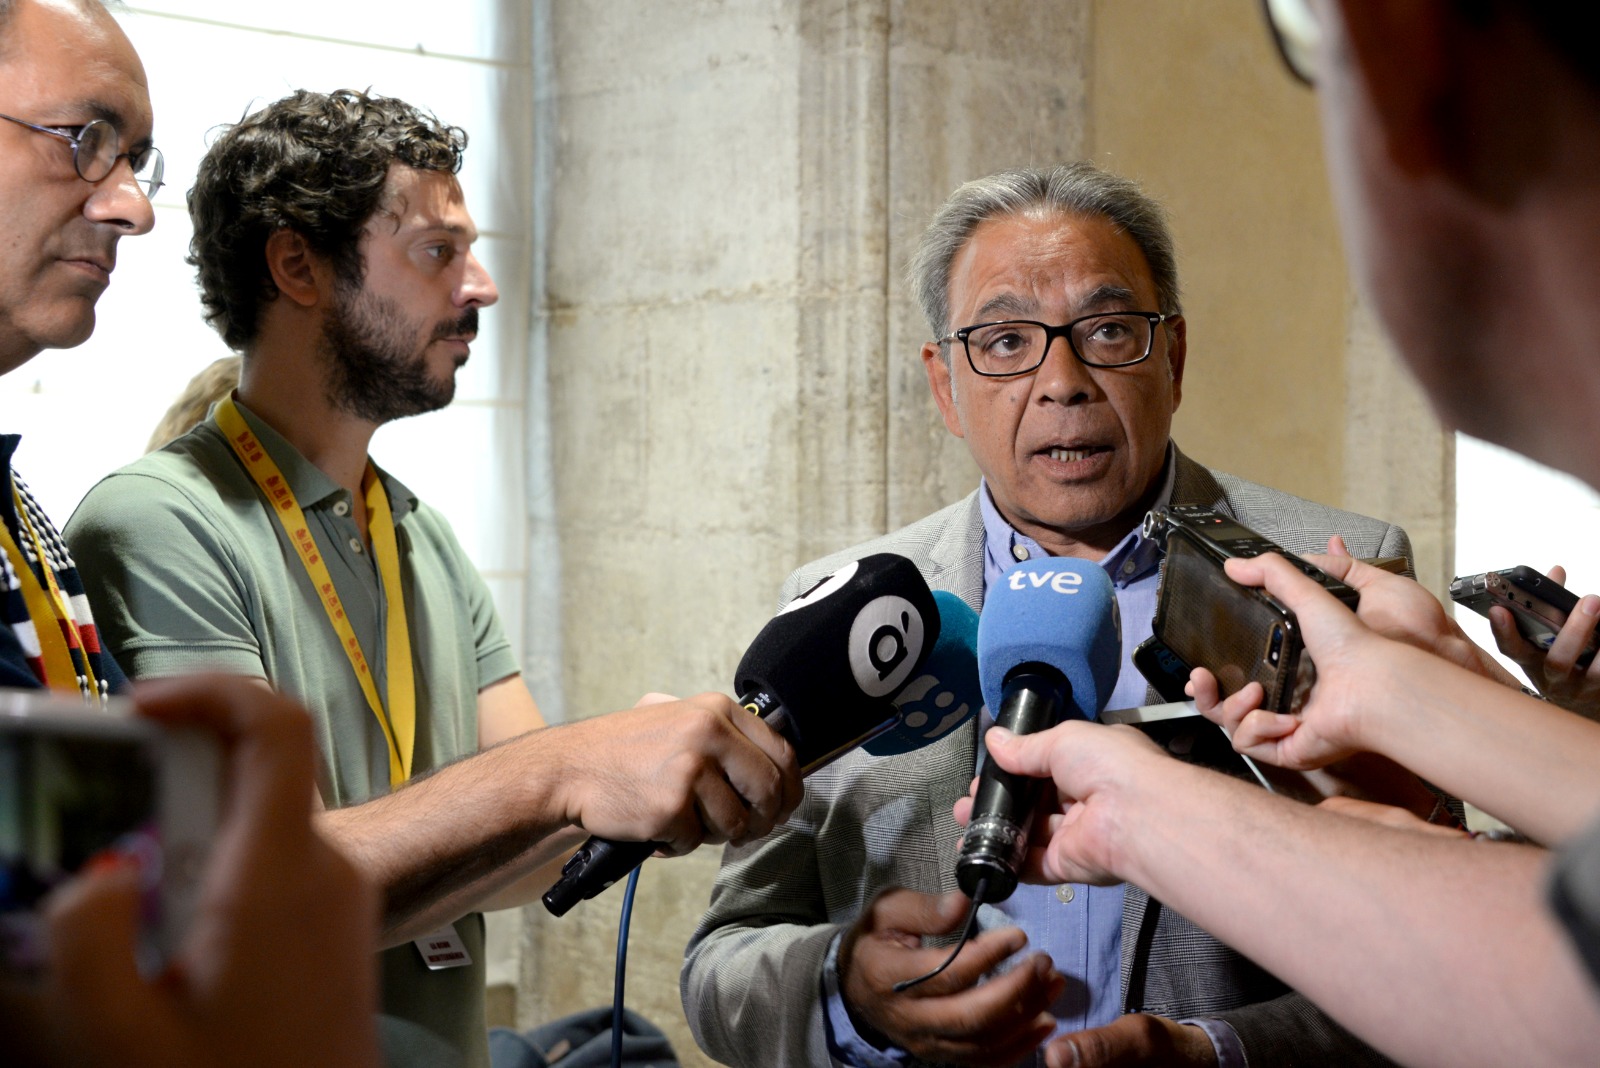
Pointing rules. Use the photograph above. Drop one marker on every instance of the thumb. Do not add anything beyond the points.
(1022, 754)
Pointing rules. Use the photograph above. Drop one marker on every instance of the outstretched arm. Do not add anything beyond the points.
(680, 773)
(1389, 931)
(1520, 759)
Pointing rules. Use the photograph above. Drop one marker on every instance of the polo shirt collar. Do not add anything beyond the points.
(311, 487)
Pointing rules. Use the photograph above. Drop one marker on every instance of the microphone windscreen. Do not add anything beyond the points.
(945, 693)
(1054, 610)
(836, 655)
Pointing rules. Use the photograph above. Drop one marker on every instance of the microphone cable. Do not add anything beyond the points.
(622, 969)
(967, 930)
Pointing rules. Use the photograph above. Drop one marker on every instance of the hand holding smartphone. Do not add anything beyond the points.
(84, 788)
(1550, 636)
(1539, 605)
(277, 958)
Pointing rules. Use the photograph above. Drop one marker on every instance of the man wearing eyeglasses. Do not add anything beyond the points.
(79, 170)
(256, 980)
(1060, 355)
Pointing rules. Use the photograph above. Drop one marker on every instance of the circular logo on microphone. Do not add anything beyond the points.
(885, 643)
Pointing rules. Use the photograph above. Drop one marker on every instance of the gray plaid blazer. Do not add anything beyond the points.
(751, 979)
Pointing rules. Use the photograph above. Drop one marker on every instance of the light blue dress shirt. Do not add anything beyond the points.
(1079, 926)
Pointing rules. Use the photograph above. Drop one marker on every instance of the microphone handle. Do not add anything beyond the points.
(992, 850)
(601, 862)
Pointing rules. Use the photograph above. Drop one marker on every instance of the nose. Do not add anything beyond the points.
(477, 289)
(1063, 378)
(119, 200)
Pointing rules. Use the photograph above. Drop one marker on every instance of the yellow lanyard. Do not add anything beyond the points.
(400, 723)
(52, 617)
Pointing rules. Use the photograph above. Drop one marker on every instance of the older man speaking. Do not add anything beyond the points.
(1059, 358)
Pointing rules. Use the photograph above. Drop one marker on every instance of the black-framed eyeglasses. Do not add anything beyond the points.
(1296, 30)
(1017, 346)
(96, 147)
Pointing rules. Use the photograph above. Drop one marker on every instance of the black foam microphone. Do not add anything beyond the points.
(822, 673)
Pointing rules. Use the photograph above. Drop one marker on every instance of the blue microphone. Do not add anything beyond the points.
(1049, 649)
(945, 693)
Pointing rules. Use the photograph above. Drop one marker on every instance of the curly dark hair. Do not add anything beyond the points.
(314, 163)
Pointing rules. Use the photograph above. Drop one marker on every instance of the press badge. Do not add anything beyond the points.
(443, 949)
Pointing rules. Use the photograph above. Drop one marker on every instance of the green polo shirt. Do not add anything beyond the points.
(188, 570)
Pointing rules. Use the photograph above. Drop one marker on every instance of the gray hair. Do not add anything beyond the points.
(1070, 189)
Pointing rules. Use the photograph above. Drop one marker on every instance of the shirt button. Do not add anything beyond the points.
(1065, 893)
(341, 507)
(1020, 552)
(355, 545)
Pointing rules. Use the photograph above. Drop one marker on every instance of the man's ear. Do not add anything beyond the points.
(298, 272)
(1400, 48)
(939, 380)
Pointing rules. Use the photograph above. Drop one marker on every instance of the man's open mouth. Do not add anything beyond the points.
(1080, 452)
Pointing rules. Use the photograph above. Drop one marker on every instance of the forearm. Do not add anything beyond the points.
(1521, 760)
(446, 844)
(1388, 931)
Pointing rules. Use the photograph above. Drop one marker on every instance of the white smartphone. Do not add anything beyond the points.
(79, 786)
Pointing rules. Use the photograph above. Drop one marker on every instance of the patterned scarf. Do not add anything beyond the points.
(14, 608)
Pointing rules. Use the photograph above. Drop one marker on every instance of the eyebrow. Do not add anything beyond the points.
(99, 109)
(1105, 296)
(1012, 305)
(1005, 306)
(433, 226)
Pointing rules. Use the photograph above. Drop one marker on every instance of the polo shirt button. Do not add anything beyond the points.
(1065, 893)
(341, 507)
(1020, 552)
(355, 545)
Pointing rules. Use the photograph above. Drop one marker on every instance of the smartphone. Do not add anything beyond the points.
(1240, 634)
(1163, 669)
(1539, 605)
(81, 787)
(1187, 736)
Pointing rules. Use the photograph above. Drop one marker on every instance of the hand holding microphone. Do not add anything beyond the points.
(1049, 648)
(821, 674)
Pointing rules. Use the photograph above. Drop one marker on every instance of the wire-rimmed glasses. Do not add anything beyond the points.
(96, 147)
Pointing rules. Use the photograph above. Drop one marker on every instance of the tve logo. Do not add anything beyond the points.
(885, 642)
(1059, 581)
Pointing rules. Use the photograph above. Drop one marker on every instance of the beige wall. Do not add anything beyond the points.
(1192, 101)
(728, 361)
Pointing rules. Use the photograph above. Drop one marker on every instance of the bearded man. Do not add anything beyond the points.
(335, 252)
